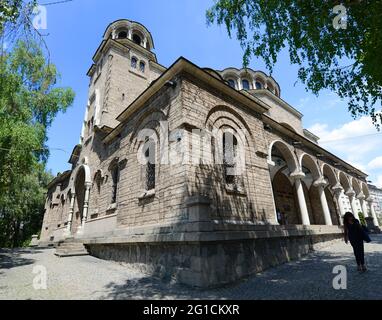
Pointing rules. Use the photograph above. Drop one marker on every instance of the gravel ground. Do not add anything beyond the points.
(87, 277)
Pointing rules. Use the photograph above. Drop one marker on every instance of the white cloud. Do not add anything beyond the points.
(376, 163)
(353, 139)
(357, 142)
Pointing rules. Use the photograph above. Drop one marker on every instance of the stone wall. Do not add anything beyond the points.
(212, 261)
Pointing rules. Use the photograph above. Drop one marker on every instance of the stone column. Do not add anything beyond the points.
(321, 184)
(70, 216)
(338, 192)
(362, 200)
(86, 207)
(372, 210)
(297, 176)
(351, 194)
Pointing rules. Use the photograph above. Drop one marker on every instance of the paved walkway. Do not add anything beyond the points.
(91, 278)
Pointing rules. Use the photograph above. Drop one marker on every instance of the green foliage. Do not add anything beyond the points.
(16, 13)
(29, 101)
(362, 218)
(9, 11)
(346, 61)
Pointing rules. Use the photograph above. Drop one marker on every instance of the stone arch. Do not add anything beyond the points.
(312, 173)
(356, 186)
(82, 179)
(307, 161)
(222, 110)
(286, 152)
(150, 120)
(223, 116)
(365, 190)
(124, 24)
(96, 189)
(344, 181)
(329, 174)
(285, 198)
(332, 179)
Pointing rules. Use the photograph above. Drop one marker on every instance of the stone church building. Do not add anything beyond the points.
(199, 175)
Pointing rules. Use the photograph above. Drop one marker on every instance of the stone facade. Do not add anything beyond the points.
(376, 195)
(193, 172)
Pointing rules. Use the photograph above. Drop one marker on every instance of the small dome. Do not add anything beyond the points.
(134, 31)
(248, 79)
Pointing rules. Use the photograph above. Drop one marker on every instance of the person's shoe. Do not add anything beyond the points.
(364, 269)
(359, 268)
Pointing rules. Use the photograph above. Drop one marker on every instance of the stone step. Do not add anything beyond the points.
(70, 249)
(71, 253)
(71, 245)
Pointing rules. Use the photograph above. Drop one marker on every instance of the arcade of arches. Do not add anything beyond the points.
(309, 192)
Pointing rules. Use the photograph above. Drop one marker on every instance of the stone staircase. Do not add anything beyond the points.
(70, 248)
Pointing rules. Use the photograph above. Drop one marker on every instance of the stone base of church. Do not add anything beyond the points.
(221, 254)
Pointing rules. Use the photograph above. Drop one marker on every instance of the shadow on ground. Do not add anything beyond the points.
(10, 258)
(310, 278)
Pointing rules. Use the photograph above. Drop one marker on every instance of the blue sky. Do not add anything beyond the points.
(75, 29)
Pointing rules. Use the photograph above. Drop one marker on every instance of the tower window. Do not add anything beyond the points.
(134, 62)
(231, 83)
(115, 181)
(258, 85)
(229, 155)
(245, 84)
(142, 66)
(122, 35)
(150, 155)
(137, 39)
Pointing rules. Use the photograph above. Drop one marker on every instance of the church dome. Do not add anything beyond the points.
(248, 79)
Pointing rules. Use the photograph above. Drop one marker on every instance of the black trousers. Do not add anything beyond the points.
(359, 252)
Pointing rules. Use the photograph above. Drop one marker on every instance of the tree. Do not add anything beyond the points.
(335, 49)
(29, 101)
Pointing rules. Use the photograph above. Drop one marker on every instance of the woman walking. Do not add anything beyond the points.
(356, 235)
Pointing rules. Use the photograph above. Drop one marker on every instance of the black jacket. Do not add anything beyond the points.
(354, 232)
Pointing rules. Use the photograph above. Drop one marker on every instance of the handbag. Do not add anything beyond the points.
(365, 234)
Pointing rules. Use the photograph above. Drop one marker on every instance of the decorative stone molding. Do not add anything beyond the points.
(297, 175)
(320, 182)
(350, 193)
(361, 196)
(337, 189)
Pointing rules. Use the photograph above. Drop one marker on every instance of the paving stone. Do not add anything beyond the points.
(86, 277)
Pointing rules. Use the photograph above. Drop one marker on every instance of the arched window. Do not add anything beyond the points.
(142, 66)
(232, 83)
(270, 88)
(137, 39)
(150, 156)
(229, 157)
(134, 62)
(245, 84)
(258, 85)
(122, 35)
(115, 181)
